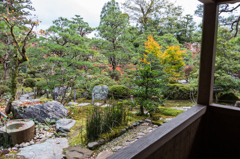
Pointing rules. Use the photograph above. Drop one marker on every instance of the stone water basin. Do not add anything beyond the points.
(19, 130)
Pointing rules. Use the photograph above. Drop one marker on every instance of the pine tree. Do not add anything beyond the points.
(151, 79)
(113, 31)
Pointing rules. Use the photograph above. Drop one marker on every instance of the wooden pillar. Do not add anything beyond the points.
(208, 52)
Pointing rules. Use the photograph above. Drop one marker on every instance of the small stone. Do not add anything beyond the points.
(63, 134)
(102, 141)
(117, 148)
(129, 140)
(130, 127)
(148, 129)
(155, 126)
(145, 124)
(148, 120)
(26, 144)
(135, 124)
(123, 131)
(63, 130)
(46, 129)
(140, 122)
(93, 145)
(17, 146)
(138, 137)
(140, 134)
(14, 148)
(9, 156)
(31, 142)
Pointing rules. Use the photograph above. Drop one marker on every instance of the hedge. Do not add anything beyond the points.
(119, 90)
(178, 91)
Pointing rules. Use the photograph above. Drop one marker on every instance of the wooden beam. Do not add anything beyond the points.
(219, 1)
(208, 52)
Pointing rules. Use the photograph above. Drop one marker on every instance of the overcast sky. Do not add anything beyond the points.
(49, 10)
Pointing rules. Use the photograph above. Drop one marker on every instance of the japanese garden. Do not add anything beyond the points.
(64, 94)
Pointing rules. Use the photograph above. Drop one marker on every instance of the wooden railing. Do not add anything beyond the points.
(171, 140)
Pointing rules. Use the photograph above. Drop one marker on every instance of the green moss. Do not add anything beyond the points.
(114, 133)
(183, 103)
(159, 122)
(45, 100)
(156, 116)
(168, 111)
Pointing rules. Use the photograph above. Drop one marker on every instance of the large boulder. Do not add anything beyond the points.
(51, 110)
(100, 92)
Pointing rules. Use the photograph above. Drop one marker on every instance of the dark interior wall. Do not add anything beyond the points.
(222, 133)
(180, 146)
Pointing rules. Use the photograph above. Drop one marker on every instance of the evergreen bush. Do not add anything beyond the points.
(29, 82)
(119, 90)
(4, 89)
(41, 85)
(178, 91)
(27, 89)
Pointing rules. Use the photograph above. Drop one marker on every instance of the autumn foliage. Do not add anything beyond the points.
(171, 58)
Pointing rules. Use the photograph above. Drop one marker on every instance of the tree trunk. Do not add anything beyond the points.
(6, 72)
(15, 64)
(5, 67)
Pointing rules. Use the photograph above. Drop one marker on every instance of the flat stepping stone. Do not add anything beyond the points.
(181, 108)
(106, 105)
(65, 123)
(83, 104)
(51, 148)
(78, 152)
(97, 104)
(104, 154)
(72, 103)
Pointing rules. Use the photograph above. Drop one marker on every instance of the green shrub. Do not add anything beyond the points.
(41, 85)
(27, 89)
(178, 91)
(29, 82)
(101, 80)
(101, 121)
(228, 96)
(4, 89)
(119, 90)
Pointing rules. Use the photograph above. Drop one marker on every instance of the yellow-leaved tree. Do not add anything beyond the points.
(173, 61)
(152, 51)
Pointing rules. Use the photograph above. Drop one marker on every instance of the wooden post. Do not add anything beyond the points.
(22, 91)
(208, 52)
(92, 98)
(34, 92)
(47, 94)
(74, 95)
